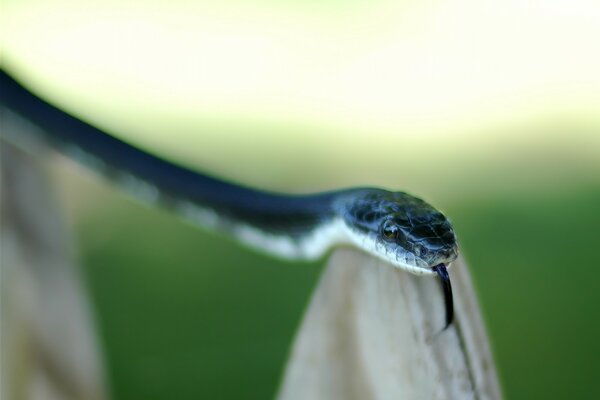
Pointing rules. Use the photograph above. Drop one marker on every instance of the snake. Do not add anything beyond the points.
(398, 228)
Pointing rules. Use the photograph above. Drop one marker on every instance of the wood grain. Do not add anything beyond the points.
(374, 332)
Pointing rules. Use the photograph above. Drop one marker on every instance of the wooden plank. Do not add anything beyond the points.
(49, 345)
(374, 332)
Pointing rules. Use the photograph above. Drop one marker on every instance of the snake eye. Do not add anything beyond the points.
(390, 231)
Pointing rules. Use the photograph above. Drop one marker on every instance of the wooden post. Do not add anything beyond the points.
(48, 337)
(374, 332)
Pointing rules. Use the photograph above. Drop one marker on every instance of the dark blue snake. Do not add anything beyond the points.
(399, 228)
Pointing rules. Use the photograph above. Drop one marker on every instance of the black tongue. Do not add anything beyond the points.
(442, 273)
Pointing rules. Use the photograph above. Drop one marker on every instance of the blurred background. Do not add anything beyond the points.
(489, 110)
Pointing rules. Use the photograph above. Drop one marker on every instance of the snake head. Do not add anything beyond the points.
(401, 229)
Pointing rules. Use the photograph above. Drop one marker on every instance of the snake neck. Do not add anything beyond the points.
(294, 227)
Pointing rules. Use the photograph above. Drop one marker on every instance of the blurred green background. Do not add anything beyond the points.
(489, 110)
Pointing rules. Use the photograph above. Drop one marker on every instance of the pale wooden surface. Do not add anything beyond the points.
(48, 337)
(373, 332)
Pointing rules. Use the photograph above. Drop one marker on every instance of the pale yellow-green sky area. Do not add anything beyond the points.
(321, 93)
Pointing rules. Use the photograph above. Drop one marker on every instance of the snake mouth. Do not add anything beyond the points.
(442, 272)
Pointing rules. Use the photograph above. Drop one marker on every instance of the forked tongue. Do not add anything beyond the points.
(442, 273)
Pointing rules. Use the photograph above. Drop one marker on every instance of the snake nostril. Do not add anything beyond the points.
(450, 253)
(446, 253)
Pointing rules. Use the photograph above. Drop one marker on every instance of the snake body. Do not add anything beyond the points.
(401, 229)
